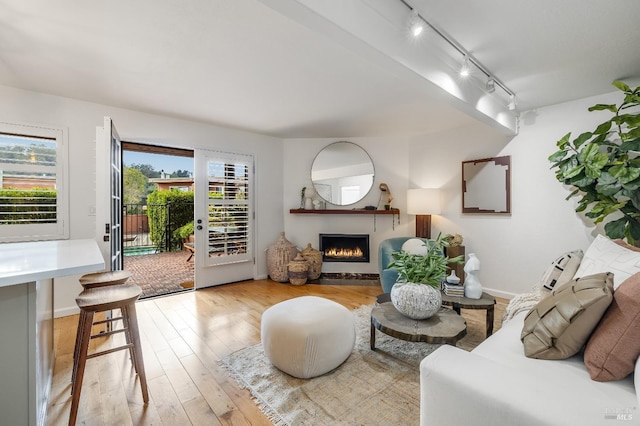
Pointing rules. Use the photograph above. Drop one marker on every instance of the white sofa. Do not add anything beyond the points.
(496, 384)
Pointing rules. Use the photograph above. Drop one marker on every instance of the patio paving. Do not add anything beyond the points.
(160, 274)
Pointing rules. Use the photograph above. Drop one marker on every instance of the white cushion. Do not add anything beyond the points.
(415, 246)
(495, 384)
(603, 255)
(307, 336)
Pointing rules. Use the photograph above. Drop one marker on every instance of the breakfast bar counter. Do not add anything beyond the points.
(27, 271)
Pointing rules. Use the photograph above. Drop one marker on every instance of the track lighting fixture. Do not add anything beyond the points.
(416, 24)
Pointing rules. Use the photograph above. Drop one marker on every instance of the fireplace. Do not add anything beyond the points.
(344, 247)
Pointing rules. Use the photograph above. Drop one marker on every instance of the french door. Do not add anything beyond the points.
(223, 218)
(109, 194)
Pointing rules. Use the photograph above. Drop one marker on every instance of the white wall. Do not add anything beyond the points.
(515, 249)
(82, 118)
(391, 163)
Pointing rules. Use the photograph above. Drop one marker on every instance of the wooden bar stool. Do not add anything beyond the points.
(94, 280)
(99, 299)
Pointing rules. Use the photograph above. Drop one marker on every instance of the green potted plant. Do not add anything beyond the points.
(604, 167)
(421, 271)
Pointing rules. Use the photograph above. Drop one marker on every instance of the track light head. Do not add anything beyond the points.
(416, 24)
(464, 69)
(491, 85)
(512, 103)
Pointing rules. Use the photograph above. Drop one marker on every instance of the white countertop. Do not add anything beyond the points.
(26, 262)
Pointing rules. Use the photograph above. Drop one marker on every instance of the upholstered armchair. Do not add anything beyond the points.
(388, 276)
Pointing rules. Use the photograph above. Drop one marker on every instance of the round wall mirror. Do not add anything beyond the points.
(342, 173)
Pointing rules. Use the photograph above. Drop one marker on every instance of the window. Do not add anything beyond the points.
(180, 188)
(33, 183)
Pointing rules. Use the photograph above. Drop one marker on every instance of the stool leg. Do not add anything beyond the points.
(76, 350)
(132, 319)
(82, 360)
(127, 334)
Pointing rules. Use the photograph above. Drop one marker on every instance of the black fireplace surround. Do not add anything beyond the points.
(344, 247)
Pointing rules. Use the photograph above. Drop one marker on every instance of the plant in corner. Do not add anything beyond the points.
(604, 167)
(184, 232)
(416, 294)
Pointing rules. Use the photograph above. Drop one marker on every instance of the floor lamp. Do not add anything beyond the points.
(423, 203)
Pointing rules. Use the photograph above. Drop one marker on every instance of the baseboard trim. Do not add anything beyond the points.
(500, 293)
(65, 312)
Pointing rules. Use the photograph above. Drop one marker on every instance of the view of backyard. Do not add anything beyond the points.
(157, 216)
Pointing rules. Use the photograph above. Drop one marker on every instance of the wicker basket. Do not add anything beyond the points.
(314, 259)
(298, 269)
(278, 257)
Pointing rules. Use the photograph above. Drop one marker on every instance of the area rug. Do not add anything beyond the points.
(370, 388)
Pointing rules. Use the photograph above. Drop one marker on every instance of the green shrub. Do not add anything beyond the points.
(168, 211)
(22, 204)
(184, 231)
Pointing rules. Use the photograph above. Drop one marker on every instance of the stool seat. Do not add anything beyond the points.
(101, 279)
(307, 336)
(100, 299)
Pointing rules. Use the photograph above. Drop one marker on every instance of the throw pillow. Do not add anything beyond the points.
(415, 246)
(559, 326)
(614, 346)
(561, 270)
(604, 255)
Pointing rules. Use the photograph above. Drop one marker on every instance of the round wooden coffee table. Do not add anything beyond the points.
(446, 326)
(486, 302)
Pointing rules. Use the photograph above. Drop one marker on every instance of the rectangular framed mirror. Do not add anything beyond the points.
(486, 185)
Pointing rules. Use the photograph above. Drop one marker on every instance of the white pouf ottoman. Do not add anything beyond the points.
(307, 336)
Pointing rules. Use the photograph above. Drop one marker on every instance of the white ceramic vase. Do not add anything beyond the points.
(308, 203)
(416, 301)
(472, 286)
(453, 278)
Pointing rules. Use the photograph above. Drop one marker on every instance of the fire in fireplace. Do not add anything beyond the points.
(344, 247)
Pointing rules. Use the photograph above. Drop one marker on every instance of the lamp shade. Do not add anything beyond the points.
(423, 201)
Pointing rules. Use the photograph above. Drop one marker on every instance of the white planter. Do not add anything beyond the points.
(416, 301)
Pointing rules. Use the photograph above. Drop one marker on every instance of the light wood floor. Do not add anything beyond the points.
(183, 337)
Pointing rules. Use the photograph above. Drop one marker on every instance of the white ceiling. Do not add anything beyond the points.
(242, 64)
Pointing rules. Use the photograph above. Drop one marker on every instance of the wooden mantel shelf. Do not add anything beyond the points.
(345, 211)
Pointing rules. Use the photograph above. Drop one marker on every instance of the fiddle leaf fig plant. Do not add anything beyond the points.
(603, 166)
(430, 268)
